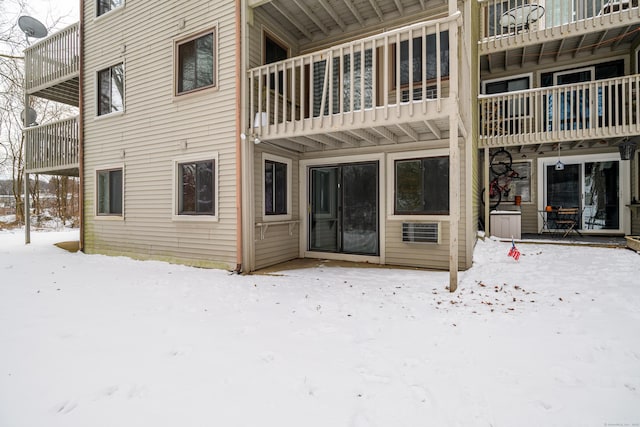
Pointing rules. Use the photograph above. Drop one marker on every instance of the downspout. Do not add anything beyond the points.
(81, 127)
(239, 80)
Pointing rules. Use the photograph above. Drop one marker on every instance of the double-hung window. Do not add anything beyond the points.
(422, 186)
(277, 187)
(110, 185)
(111, 89)
(104, 6)
(196, 63)
(196, 189)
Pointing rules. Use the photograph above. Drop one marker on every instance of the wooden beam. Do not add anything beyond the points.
(399, 7)
(506, 59)
(323, 139)
(575, 52)
(353, 10)
(433, 128)
(524, 56)
(345, 138)
(410, 132)
(489, 63)
(312, 16)
(331, 11)
(621, 37)
(386, 134)
(256, 3)
(422, 4)
(374, 5)
(560, 48)
(294, 21)
(541, 53)
(596, 45)
(366, 136)
(307, 142)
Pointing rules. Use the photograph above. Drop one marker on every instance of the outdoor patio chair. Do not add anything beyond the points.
(568, 220)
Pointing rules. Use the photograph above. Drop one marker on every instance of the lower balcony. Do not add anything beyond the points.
(388, 88)
(598, 110)
(52, 148)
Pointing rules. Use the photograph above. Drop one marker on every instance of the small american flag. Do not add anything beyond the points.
(514, 252)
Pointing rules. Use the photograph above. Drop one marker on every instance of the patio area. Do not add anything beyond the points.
(574, 239)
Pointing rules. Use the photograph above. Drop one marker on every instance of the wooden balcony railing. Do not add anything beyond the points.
(387, 77)
(508, 17)
(52, 147)
(596, 109)
(53, 59)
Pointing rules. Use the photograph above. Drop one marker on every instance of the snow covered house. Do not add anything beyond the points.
(240, 134)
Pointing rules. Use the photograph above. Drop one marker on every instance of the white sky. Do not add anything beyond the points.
(47, 12)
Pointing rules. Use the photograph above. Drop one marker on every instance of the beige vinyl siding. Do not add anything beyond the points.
(277, 246)
(151, 133)
(429, 255)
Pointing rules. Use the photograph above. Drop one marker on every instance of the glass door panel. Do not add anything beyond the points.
(323, 233)
(344, 209)
(573, 105)
(563, 188)
(601, 195)
(360, 208)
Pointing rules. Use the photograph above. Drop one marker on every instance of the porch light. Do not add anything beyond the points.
(627, 149)
(559, 164)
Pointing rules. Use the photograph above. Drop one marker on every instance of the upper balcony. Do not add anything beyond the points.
(600, 112)
(53, 148)
(388, 88)
(52, 67)
(515, 33)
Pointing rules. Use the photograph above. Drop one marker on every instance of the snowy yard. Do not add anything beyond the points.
(87, 340)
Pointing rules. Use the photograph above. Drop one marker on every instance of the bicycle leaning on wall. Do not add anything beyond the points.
(504, 175)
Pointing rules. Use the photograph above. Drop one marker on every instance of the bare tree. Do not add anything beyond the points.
(12, 44)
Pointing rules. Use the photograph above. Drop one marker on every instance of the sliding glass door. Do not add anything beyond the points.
(344, 208)
(591, 186)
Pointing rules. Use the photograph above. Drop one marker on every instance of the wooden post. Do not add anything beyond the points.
(454, 152)
(25, 161)
(485, 185)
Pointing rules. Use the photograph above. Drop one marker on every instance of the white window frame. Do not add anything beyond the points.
(177, 42)
(505, 78)
(108, 217)
(274, 158)
(176, 188)
(623, 190)
(391, 193)
(591, 69)
(124, 90)
(110, 11)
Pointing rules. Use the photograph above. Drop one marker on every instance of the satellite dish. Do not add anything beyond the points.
(32, 27)
(32, 116)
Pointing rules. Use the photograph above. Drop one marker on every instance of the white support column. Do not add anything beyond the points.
(26, 204)
(485, 185)
(27, 210)
(454, 153)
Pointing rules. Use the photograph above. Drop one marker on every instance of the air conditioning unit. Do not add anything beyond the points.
(421, 232)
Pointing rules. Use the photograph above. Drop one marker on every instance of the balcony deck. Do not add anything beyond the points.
(52, 67)
(510, 39)
(370, 91)
(53, 148)
(593, 111)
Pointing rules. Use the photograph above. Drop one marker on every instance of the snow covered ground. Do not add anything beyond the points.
(88, 340)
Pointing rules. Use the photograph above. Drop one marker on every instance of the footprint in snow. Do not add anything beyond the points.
(66, 407)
